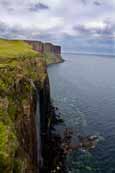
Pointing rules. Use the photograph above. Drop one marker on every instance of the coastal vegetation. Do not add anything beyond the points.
(16, 49)
(16, 58)
(21, 67)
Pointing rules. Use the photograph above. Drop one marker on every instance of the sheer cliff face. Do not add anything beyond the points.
(52, 53)
(18, 145)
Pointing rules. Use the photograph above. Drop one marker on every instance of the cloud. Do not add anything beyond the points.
(100, 29)
(97, 3)
(38, 6)
(5, 3)
(84, 1)
(53, 19)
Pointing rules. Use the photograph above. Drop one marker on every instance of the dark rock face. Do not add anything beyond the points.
(48, 47)
(57, 50)
(37, 45)
(26, 130)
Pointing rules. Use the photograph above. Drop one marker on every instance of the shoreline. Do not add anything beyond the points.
(54, 161)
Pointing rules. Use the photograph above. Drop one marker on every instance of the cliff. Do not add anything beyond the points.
(51, 53)
(25, 108)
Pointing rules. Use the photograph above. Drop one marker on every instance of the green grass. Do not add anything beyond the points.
(8, 145)
(16, 49)
(3, 137)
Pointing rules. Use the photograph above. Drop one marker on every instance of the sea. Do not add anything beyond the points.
(83, 88)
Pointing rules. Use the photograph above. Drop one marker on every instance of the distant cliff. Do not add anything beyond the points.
(51, 53)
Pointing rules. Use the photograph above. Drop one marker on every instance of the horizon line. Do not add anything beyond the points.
(88, 53)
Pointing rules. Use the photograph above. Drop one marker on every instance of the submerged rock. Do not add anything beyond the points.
(88, 142)
(85, 142)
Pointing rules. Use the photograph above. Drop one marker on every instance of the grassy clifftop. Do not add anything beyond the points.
(15, 49)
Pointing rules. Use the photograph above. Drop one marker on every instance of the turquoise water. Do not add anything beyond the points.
(83, 88)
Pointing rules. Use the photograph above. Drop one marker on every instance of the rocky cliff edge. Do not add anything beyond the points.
(51, 53)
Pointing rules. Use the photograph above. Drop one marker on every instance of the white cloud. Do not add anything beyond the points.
(95, 24)
(57, 18)
(60, 13)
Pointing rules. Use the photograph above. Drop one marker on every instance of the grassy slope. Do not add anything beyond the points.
(15, 48)
(11, 51)
(12, 54)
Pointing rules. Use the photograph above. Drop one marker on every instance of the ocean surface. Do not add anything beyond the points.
(83, 88)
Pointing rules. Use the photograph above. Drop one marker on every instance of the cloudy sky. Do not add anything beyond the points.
(78, 25)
